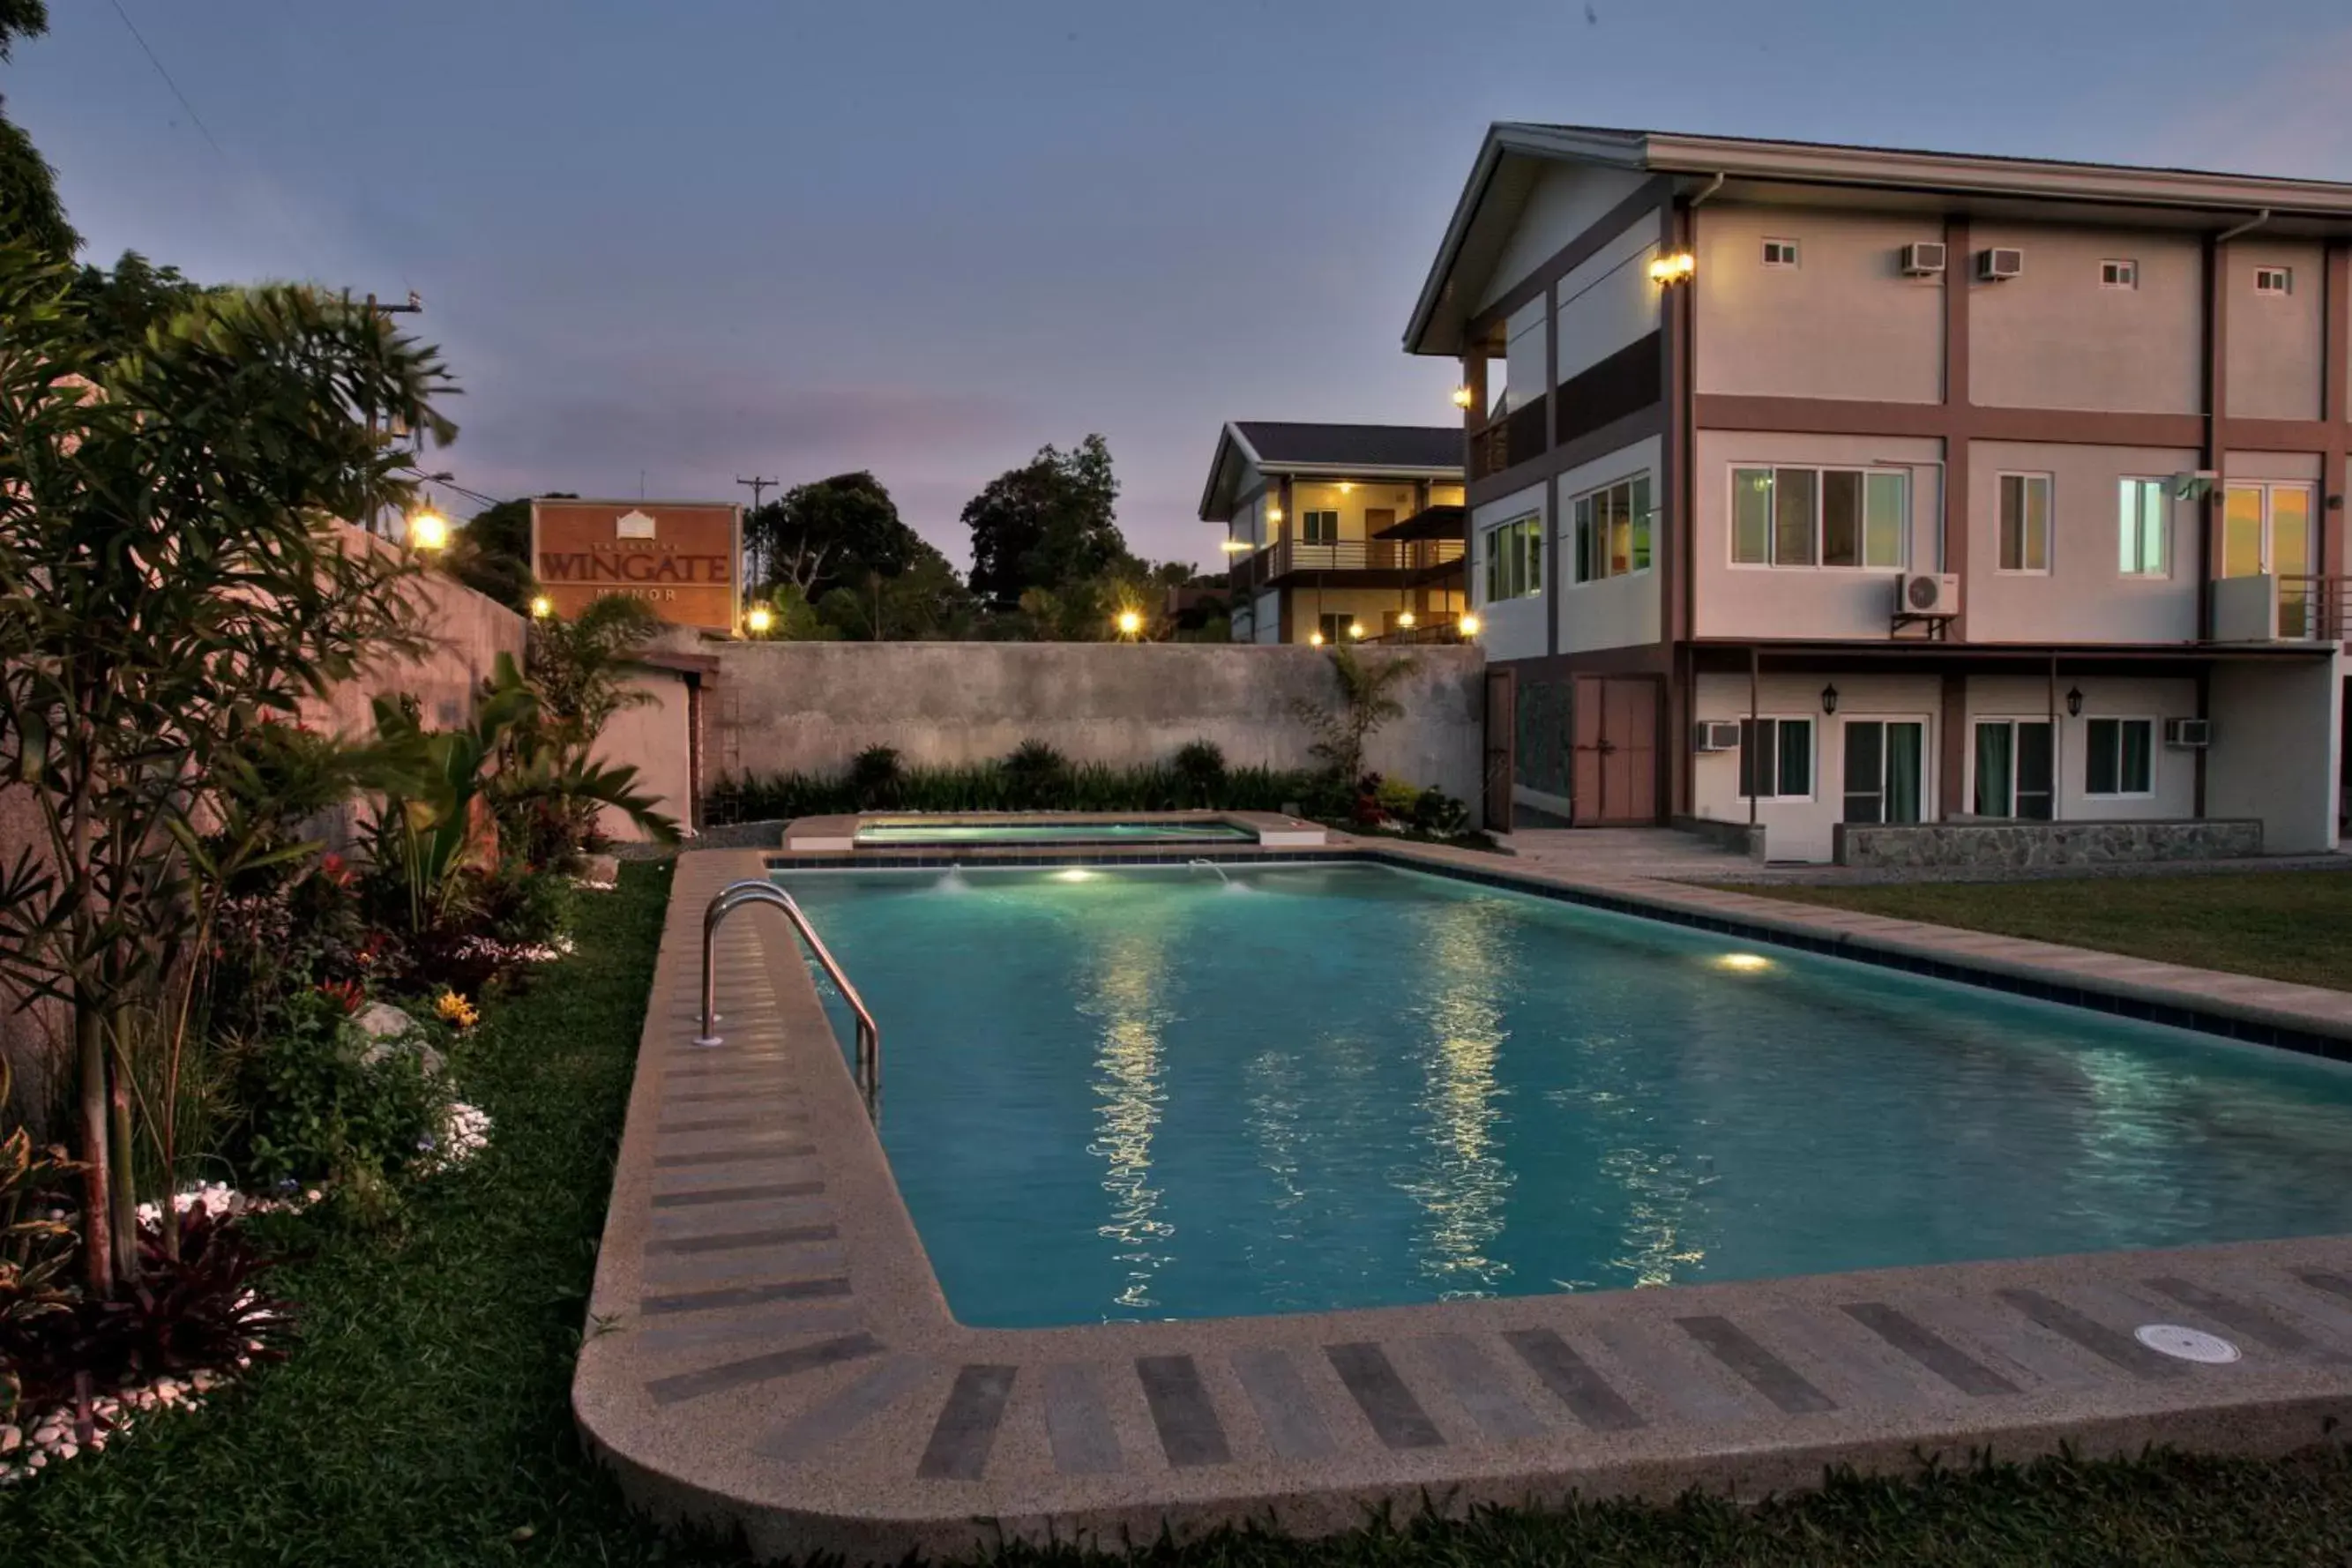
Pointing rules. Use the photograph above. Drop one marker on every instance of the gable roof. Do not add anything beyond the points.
(1284, 446)
(1889, 178)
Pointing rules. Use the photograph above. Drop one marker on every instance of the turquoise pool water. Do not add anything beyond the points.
(1055, 833)
(1133, 1094)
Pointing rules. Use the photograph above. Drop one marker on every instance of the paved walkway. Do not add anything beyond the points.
(1615, 852)
(772, 1349)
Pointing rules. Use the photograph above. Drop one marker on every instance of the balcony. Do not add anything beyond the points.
(1504, 443)
(1369, 562)
(2282, 609)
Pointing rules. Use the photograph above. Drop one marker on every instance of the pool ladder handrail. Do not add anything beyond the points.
(868, 1070)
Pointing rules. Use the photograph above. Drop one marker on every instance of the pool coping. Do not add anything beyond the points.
(770, 1351)
(837, 835)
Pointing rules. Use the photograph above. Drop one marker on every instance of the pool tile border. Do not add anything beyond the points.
(818, 1395)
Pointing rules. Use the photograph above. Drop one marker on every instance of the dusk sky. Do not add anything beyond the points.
(700, 240)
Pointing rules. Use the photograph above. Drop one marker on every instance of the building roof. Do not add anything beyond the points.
(1886, 178)
(1367, 451)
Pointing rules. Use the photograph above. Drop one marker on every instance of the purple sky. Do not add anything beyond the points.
(707, 238)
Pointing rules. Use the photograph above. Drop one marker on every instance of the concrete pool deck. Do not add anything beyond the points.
(768, 1349)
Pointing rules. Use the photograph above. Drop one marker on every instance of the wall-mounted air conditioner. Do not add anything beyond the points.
(1923, 260)
(1715, 735)
(1927, 594)
(2001, 262)
(2188, 734)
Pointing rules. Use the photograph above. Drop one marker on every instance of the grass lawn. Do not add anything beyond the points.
(2285, 925)
(423, 1421)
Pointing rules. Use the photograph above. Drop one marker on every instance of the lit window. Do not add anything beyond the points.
(1515, 559)
(1776, 759)
(2118, 274)
(2144, 529)
(1319, 527)
(1612, 530)
(2120, 758)
(1780, 253)
(1821, 517)
(2277, 281)
(2025, 522)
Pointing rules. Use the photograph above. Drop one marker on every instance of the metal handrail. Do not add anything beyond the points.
(734, 896)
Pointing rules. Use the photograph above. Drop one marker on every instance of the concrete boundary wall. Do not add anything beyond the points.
(812, 707)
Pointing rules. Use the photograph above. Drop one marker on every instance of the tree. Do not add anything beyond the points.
(1368, 700)
(30, 212)
(833, 534)
(491, 553)
(925, 600)
(1046, 524)
(171, 576)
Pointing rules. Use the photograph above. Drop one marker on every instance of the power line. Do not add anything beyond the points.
(195, 118)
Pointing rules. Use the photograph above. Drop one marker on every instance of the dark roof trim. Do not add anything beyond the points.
(1326, 450)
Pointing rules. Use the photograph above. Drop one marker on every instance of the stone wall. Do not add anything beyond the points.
(812, 707)
(2034, 845)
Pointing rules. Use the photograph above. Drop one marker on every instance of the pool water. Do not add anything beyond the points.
(1055, 833)
(1120, 1094)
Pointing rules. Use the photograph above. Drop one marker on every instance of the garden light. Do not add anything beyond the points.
(760, 620)
(542, 607)
(428, 530)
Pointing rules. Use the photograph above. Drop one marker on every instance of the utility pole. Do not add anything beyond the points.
(756, 485)
(415, 306)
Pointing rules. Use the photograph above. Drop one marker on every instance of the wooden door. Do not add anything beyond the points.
(1502, 731)
(1616, 768)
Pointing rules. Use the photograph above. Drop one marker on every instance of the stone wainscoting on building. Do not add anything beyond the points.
(2034, 845)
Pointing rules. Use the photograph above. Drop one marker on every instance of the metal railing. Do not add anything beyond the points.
(1284, 556)
(868, 1067)
(2315, 607)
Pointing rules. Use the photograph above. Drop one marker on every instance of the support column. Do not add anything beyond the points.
(2215, 448)
(1954, 504)
(1952, 753)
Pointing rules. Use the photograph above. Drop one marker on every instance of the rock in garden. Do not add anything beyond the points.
(600, 869)
(391, 1032)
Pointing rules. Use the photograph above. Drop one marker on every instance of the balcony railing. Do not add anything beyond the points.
(1507, 441)
(1286, 556)
(2318, 609)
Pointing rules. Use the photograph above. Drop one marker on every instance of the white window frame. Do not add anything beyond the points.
(2049, 524)
(1791, 257)
(1487, 573)
(2118, 272)
(2142, 572)
(1820, 501)
(1812, 761)
(2154, 736)
(2057, 763)
(2263, 277)
(1639, 482)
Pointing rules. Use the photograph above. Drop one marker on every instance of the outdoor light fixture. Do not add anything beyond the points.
(428, 530)
(1469, 626)
(1404, 618)
(1746, 962)
(2074, 702)
(1346, 488)
(1274, 514)
(1236, 546)
(1129, 623)
(542, 607)
(1356, 630)
(760, 620)
(1674, 268)
(1315, 640)
(1462, 398)
(1829, 698)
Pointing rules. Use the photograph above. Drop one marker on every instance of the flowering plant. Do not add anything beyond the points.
(456, 1010)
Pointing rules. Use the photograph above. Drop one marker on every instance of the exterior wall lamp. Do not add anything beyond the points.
(1461, 398)
(428, 530)
(1404, 618)
(1674, 268)
(2074, 702)
(1468, 625)
(1356, 631)
(1829, 698)
(1315, 640)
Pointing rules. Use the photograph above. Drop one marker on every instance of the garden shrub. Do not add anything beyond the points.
(1035, 776)
(1396, 796)
(984, 786)
(877, 778)
(1439, 814)
(310, 1109)
(1200, 769)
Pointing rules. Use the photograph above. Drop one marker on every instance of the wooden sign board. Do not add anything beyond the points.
(682, 558)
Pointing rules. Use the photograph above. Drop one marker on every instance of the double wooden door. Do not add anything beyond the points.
(1616, 767)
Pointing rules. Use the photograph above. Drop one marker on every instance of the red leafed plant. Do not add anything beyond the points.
(348, 995)
(199, 1311)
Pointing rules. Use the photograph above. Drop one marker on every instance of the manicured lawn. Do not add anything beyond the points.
(2285, 925)
(424, 1422)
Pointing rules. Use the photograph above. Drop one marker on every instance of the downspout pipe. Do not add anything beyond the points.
(1716, 184)
(2251, 224)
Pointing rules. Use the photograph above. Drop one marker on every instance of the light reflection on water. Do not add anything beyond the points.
(1133, 1097)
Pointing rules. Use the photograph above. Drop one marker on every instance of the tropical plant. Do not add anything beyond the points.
(875, 778)
(1368, 700)
(319, 1107)
(1034, 775)
(170, 574)
(36, 1248)
(1439, 814)
(1200, 769)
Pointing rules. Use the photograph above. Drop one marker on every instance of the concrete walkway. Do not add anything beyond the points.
(1613, 852)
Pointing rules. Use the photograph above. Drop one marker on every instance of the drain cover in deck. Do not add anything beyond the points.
(2186, 1344)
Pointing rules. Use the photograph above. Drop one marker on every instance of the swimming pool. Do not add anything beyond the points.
(1129, 1093)
(878, 834)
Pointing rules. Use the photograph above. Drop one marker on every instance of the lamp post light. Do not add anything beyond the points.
(428, 530)
(542, 607)
(759, 619)
(1130, 624)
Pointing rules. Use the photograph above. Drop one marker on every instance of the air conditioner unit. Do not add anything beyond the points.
(2001, 262)
(1715, 735)
(1923, 260)
(1936, 594)
(2188, 734)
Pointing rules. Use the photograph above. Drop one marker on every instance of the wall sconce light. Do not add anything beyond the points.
(1346, 488)
(1468, 625)
(428, 530)
(1404, 618)
(1674, 267)
(1234, 546)
(1356, 631)
(1829, 698)
(1315, 640)
(1462, 398)
(1274, 514)
(2074, 702)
